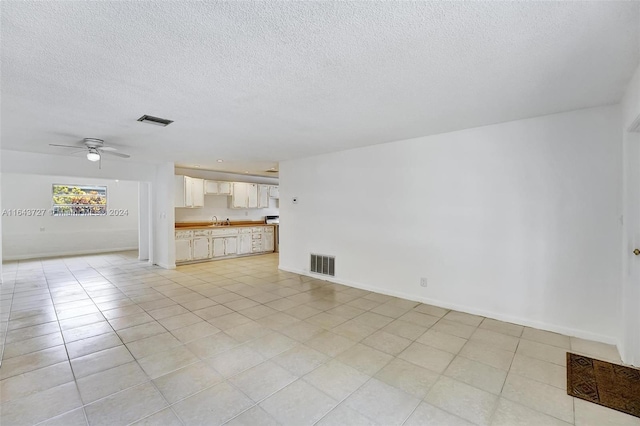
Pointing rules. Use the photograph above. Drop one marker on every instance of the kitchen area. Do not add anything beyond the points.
(223, 215)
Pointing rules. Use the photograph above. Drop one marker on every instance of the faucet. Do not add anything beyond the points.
(214, 219)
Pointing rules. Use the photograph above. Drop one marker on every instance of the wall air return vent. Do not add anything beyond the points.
(325, 265)
(155, 120)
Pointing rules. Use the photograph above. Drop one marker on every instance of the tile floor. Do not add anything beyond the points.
(108, 340)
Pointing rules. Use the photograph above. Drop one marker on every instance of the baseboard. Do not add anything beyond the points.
(568, 331)
(166, 265)
(66, 253)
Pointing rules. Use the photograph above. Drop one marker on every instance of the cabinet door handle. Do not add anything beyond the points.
(636, 252)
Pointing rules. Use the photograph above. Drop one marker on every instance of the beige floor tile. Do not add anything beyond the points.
(405, 329)
(431, 310)
(87, 331)
(501, 327)
(546, 337)
(139, 318)
(427, 414)
(298, 404)
(34, 344)
(543, 352)
(26, 384)
(167, 312)
(511, 414)
(236, 360)
(325, 320)
(110, 381)
(364, 358)
(408, 377)
(345, 311)
(194, 331)
(302, 311)
(126, 407)
(40, 406)
(262, 380)
(446, 342)
(213, 312)
(32, 361)
(138, 332)
(93, 344)
(464, 318)
(212, 345)
(487, 354)
(454, 328)
(387, 342)
(278, 321)
(154, 344)
(162, 363)
(31, 332)
(376, 321)
(589, 414)
(330, 344)
(363, 303)
(240, 304)
(71, 418)
(390, 309)
(353, 330)
(420, 319)
(397, 405)
(336, 379)
(272, 344)
(477, 374)
(539, 396)
(228, 321)
(99, 361)
(300, 359)
(425, 356)
(180, 321)
(343, 415)
(186, 381)
(595, 350)
(249, 331)
(164, 417)
(463, 400)
(498, 340)
(542, 371)
(212, 406)
(253, 416)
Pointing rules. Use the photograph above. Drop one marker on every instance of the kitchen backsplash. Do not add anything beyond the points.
(219, 205)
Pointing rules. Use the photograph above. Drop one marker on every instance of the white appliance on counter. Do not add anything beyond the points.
(274, 220)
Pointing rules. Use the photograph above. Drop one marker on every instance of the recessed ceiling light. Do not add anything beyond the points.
(155, 120)
(219, 161)
(246, 172)
(197, 166)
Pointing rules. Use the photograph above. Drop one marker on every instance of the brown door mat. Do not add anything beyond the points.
(611, 385)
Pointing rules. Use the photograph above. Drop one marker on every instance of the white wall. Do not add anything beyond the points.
(28, 237)
(220, 205)
(518, 221)
(159, 176)
(630, 297)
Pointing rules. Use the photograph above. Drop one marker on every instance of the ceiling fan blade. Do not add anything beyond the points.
(117, 154)
(108, 148)
(65, 146)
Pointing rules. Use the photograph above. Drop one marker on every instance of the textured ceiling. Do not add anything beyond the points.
(258, 82)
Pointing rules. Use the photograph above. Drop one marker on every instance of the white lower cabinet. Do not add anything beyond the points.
(219, 242)
(218, 247)
(201, 248)
(244, 244)
(183, 250)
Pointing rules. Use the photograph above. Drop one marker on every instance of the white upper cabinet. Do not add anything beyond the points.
(224, 188)
(274, 191)
(252, 195)
(239, 199)
(197, 192)
(210, 187)
(189, 192)
(263, 196)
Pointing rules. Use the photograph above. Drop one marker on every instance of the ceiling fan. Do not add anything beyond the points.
(94, 148)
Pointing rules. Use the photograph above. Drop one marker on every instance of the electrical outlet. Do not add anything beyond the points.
(423, 282)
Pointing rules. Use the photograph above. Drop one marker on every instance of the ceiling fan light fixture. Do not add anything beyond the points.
(93, 155)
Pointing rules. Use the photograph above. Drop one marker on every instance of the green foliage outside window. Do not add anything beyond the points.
(79, 200)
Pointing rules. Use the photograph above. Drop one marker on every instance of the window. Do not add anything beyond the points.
(79, 200)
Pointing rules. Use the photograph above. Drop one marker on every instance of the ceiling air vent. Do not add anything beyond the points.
(635, 126)
(155, 120)
(325, 265)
